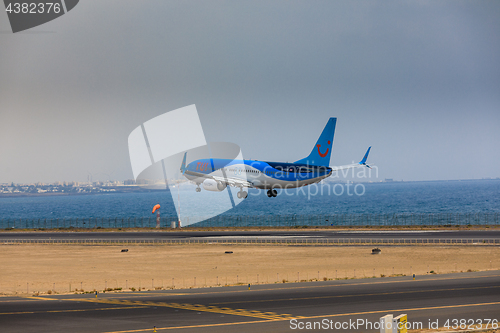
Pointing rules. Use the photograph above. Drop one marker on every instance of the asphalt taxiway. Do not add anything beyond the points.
(266, 308)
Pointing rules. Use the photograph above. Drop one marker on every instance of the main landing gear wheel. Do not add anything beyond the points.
(198, 189)
(242, 194)
(272, 193)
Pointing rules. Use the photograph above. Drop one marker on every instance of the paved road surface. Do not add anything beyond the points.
(264, 308)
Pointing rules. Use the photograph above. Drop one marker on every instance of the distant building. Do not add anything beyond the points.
(145, 182)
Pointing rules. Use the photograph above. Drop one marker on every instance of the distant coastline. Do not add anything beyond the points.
(20, 191)
(107, 190)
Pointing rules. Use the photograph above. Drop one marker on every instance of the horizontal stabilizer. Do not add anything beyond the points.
(355, 165)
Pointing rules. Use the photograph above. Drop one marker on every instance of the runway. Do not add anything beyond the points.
(468, 236)
(264, 308)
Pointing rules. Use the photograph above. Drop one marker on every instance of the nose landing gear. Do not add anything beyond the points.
(198, 189)
(272, 193)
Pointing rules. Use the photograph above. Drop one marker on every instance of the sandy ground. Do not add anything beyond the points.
(31, 268)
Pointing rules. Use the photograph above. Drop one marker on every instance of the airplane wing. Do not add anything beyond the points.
(362, 163)
(235, 182)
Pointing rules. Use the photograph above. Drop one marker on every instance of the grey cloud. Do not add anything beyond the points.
(420, 81)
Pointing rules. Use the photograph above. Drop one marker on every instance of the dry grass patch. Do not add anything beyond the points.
(58, 268)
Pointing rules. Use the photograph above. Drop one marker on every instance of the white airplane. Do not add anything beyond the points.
(216, 174)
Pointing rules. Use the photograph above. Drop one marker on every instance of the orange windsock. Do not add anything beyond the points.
(157, 206)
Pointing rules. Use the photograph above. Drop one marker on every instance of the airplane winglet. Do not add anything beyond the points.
(183, 165)
(363, 161)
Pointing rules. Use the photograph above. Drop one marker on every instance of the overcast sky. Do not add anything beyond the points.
(417, 80)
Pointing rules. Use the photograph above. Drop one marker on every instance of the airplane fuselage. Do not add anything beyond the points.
(262, 175)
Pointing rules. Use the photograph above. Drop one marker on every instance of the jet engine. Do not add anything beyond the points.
(212, 185)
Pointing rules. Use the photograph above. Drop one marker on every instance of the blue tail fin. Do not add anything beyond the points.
(320, 155)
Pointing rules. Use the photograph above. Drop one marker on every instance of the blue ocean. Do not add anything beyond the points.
(433, 197)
